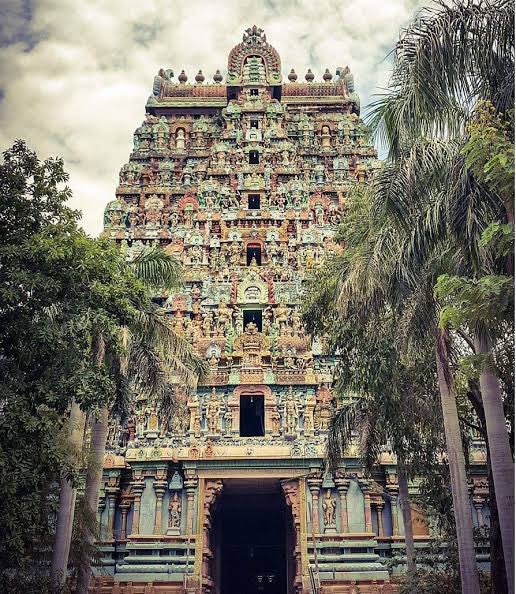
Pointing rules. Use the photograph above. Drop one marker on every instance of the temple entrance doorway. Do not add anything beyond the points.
(253, 539)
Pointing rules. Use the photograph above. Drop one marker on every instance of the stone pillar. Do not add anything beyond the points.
(137, 488)
(314, 484)
(292, 497)
(195, 417)
(190, 488)
(212, 489)
(160, 486)
(393, 499)
(111, 500)
(367, 512)
(100, 509)
(234, 406)
(125, 504)
(308, 428)
(379, 509)
(342, 485)
(478, 503)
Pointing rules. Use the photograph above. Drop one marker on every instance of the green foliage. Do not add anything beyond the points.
(489, 150)
(386, 395)
(487, 300)
(450, 57)
(499, 237)
(61, 294)
(157, 270)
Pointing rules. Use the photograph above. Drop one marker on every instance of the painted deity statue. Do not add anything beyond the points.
(213, 412)
(329, 506)
(291, 412)
(174, 511)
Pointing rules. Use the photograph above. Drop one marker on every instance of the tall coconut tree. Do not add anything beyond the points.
(384, 269)
(453, 56)
(142, 355)
(153, 357)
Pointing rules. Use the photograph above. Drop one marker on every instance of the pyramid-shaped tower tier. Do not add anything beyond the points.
(244, 182)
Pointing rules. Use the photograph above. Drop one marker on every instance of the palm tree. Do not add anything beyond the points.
(366, 418)
(67, 496)
(394, 396)
(146, 356)
(154, 356)
(68, 488)
(447, 61)
(384, 270)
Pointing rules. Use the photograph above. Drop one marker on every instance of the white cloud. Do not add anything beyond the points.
(75, 75)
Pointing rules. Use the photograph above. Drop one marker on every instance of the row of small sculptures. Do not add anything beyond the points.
(160, 135)
(213, 416)
(281, 320)
(271, 166)
(220, 259)
(154, 214)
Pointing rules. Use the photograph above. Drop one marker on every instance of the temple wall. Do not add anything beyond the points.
(245, 183)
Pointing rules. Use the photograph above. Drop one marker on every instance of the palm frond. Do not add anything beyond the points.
(155, 328)
(451, 56)
(157, 269)
(357, 417)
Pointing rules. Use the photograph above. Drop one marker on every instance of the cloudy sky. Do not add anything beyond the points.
(75, 75)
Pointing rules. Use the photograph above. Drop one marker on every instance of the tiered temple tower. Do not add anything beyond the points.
(245, 182)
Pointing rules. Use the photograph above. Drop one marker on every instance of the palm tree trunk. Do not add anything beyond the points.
(67, 496)
(499, 582)
(461, 504)
(99, 432)
(407, 521)
(498, 577)
(502, 464)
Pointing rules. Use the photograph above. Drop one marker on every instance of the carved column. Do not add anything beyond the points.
(392, 488)
(394, 514)
(190, 488)
(195, 417)
(111, 492)
(234, 406)
(314, 484)
(364, 485)
(379, 509)
(367, 512)
(342, 485)
(213, 488)
(111, 500)
(291, 491)
(308, 428)
(160, 487)
(137, 488)
(125, 504)
(478, 503)
(100, 509)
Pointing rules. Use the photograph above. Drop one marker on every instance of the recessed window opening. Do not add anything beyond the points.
(254, 123)
(254, 157)
(254, 92)
(254, 251)
(255, 316)
(253, 201)
(252, 415)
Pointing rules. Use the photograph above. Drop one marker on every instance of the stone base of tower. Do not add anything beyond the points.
(254, 534)
(107, 585)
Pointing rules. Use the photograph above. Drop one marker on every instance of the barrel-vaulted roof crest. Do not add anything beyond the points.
(254, 44)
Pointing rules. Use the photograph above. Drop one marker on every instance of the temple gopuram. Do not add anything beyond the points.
(244, 181)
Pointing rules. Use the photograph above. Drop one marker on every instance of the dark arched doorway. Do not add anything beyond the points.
(253, 539)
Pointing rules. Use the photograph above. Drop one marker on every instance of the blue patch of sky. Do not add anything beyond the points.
(15, 24)
(144, 34)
